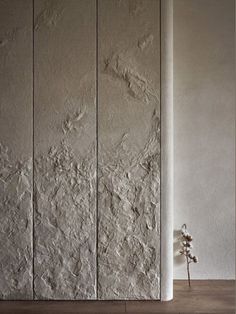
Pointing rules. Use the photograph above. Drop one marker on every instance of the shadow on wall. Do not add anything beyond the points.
(178, 259)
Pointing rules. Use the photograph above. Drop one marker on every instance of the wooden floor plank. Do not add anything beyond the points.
(204, 297)
(61, 307)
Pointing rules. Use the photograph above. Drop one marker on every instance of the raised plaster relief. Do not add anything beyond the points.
(73, 122)
(129, 204)
(145, 41)
(50, 14)
(15, 227)
(135, 7)
(64, 224)
(138, 86)
(8, 37)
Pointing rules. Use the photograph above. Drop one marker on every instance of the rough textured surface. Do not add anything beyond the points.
(64, 224)
(64, 152)
(50, 14)
(16, 149)
(15, 227)
(137, 85)
(145, 41)
(129, 150)
(65, 158)
(129, 187)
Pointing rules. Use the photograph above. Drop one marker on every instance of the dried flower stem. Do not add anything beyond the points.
(188, 271)
(186, 250)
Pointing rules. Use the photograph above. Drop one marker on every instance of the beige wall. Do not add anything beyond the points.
(205, 132)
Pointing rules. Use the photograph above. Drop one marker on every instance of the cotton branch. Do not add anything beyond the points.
(186, 241)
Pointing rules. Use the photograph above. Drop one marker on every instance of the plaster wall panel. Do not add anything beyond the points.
(128, 149)
(64, 149)
(16, 149)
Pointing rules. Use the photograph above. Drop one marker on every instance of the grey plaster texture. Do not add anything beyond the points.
(64, 145)
(92, 228)
(16, 150)
(15, 227)
(129, 150)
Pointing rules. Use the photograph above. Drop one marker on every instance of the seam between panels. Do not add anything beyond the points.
(96, 79)
(160, 187)
(33, 173)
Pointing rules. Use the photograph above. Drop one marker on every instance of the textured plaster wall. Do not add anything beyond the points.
(60, 239)
(64, 150)
(16, 149)
(204, 110)
(129, 150)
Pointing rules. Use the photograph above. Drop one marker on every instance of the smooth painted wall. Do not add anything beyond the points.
(204, 134)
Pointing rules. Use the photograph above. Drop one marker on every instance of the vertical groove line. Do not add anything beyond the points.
(96, 148)
(33, 249)
(160, 189)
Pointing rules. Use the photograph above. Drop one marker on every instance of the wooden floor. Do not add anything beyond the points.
(204, 297)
